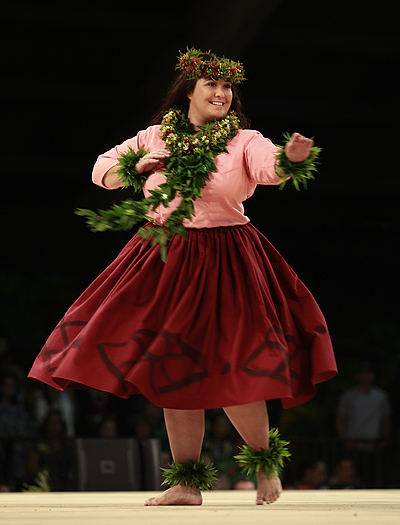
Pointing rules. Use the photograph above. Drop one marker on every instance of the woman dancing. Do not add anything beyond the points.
(199, 310)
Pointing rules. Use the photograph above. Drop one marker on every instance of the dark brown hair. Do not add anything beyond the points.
(177, 93)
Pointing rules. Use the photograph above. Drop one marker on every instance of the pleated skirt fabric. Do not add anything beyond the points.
(225, 321)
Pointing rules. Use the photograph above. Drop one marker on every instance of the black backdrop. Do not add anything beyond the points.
(80, 77)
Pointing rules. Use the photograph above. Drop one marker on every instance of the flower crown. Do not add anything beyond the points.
(193, 63)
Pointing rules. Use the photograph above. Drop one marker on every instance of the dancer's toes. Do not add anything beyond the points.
(268, 490)
(177, 495)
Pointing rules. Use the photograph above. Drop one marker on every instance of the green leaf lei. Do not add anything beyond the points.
(188, 169)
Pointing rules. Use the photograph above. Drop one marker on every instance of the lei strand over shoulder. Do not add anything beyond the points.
(187, 170)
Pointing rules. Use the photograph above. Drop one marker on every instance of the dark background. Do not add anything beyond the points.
(80, 77)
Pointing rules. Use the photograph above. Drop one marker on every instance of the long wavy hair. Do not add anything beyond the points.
(177, 96)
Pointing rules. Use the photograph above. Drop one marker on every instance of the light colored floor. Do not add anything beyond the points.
(308, 507)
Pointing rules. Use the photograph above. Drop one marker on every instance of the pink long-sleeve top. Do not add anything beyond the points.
(250, 161)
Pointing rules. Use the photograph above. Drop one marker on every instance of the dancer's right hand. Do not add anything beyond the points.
(152, 160)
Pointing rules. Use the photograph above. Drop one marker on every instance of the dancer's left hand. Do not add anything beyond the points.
(298, 148)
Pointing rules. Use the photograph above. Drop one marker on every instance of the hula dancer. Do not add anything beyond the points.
(199, 310)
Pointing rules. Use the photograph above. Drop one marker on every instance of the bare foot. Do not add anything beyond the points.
(268, 490)
(177, 495)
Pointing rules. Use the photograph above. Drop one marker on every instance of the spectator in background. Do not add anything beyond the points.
(219, 438)
(363, 421)
(220, 445)
(344, 475)
(13, 421)
(48, 400)
(13, 433)
(93, 407)
(314, 476)
(364, 411)
(244, 484)
(53, 438)
(107, 428)
(145, 420)
(7, 362)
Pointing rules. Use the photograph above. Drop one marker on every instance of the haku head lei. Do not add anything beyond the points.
(195, 64)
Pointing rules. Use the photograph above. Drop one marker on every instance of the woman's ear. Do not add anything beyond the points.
(189, 95)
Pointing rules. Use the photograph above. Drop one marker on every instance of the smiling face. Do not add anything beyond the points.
(210, 100)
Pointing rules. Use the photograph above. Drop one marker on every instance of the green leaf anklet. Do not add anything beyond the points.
(197, 473)
(270, 460)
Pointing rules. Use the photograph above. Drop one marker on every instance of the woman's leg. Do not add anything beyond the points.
(251, 422)
(185, 430)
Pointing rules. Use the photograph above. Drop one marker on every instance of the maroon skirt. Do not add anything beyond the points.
(225, 321)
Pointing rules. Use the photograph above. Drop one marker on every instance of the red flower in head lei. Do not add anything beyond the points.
(197, 64)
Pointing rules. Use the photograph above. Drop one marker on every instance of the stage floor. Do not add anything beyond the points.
(327, 507)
